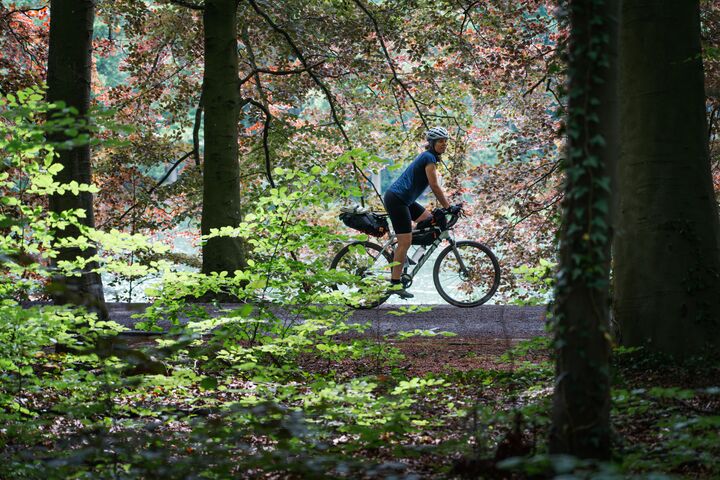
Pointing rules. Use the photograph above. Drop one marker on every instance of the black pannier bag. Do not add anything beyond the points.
(425, 237)
(368, 223)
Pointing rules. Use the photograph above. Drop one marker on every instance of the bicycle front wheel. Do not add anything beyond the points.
(466, 274)
(368, 267)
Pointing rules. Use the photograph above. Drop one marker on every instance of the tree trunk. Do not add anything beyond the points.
(221, 170)
(581, 403)
(69, 79)
(667, 244)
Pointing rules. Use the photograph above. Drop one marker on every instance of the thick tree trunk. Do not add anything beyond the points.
(69, 79)
(581, 403)
(221, 170)
(667, 244)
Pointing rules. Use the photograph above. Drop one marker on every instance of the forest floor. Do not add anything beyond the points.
(665, 416)
(421, 407)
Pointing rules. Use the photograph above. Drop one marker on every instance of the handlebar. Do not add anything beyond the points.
(455, 212)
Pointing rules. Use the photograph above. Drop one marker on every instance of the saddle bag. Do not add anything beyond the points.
(368, 223)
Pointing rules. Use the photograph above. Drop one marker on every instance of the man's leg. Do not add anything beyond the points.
(424, 216)
(418, 213)
(403, 244)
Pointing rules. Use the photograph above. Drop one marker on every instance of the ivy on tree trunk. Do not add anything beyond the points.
(581, 402)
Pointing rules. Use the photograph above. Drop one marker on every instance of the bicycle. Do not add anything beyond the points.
(466, 273)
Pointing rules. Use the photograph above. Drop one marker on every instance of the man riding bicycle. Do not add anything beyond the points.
(401, 199)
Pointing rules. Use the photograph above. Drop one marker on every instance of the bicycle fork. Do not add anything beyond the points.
(456, 252)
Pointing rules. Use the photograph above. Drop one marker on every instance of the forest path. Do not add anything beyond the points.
(485, 321)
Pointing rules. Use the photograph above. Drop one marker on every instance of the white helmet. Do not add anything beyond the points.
(436, 133)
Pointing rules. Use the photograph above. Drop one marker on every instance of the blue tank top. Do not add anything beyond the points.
(413, 181)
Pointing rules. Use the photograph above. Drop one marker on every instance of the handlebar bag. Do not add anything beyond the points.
(438, 220)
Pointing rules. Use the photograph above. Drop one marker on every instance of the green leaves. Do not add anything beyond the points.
(209, 383)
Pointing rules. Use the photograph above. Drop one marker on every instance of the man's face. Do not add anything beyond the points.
(441, 145)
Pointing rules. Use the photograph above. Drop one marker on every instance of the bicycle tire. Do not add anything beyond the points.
(345, 253)
(478, 290)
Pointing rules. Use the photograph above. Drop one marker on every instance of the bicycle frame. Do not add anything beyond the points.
(460, 265)
(445, 235)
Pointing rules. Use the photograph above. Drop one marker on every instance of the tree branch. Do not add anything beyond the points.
(466, 14)
(532, 89)
(256, 70)
(196, 126)
(187, 4)
(266, 130)
(289, 72)
(552, 202)
(24, 48)
(157, 84)
(319, 82)
(391, 63)
(264, 106)
(23, 11)
(301, 57)
(548, 88)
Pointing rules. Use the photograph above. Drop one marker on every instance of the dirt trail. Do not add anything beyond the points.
(485, 321)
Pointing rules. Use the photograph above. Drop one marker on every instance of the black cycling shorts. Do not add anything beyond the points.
(401, 215)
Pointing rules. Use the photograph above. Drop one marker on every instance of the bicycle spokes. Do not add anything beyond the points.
(466, 274)
(369, 270)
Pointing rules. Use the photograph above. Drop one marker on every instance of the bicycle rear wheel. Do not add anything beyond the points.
(369, 267)
(466, 275)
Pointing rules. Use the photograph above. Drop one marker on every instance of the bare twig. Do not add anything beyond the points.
(537, 84)
(157, 184)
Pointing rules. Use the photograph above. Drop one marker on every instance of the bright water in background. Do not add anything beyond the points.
(423, 286)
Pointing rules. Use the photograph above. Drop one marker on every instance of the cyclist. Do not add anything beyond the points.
(400, 199)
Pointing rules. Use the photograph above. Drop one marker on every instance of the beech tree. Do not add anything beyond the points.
(581, 402)
(221, 170)
(69, 79)
(667, 243)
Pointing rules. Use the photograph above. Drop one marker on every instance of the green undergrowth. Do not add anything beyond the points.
(225, 405)
(188, 406)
